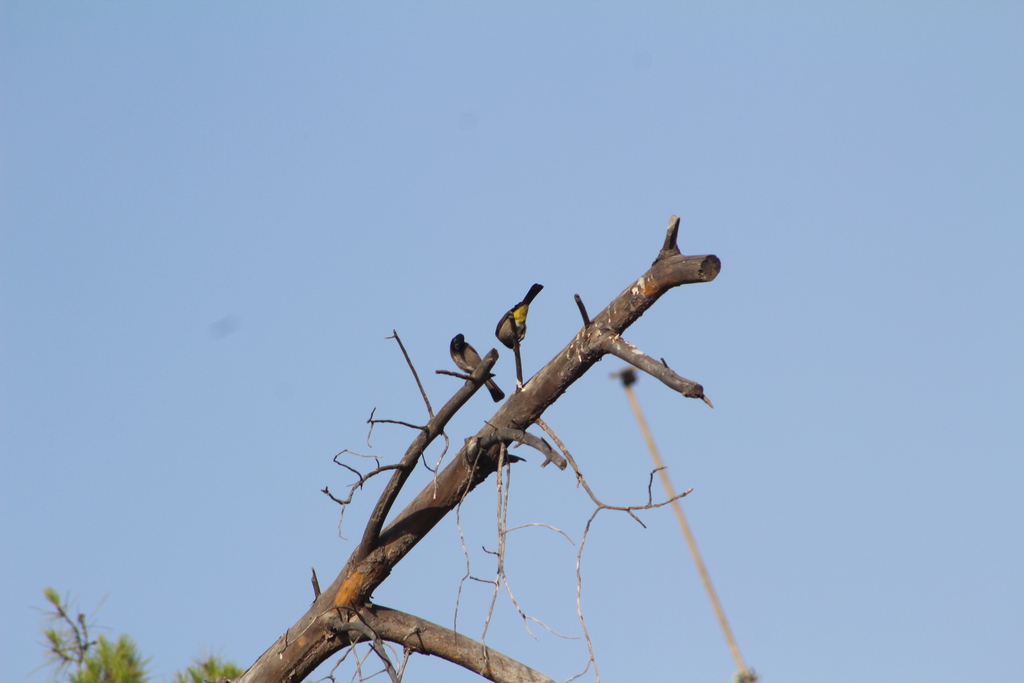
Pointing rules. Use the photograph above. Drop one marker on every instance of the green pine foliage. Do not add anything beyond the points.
(67, 640)
(78, 658)
(112, 662)
(209, 669)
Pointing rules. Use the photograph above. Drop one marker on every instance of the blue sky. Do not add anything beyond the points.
(214, 213)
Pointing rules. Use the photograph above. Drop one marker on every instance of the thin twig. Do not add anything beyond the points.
(423, 392)
(410, 425)
(583, 310)
(500, 554)
(352, 488)
(628, 509)
(474, 459)
(358, 455)
(363, 478)
(501, 575)
(579, 602)
(433, 470)
(452, 373)
(546, 526)
(465, 553)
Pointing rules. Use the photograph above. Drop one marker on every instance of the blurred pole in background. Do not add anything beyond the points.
(743, 674)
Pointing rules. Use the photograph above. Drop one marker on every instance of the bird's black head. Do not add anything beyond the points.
(458, 343)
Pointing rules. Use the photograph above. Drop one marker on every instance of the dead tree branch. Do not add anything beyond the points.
(424, 637)
(431, 431)
(316, 635)
(617, 346)
(508, 436)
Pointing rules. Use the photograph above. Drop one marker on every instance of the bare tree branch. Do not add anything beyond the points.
(509, 435)
(583, 310)
(416, 376)
(617, 346)
(312, 639)
(352, 488)
(433, 428)
(424, 637)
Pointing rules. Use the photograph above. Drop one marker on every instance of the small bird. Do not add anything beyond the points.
(466, 357)
(504, 330)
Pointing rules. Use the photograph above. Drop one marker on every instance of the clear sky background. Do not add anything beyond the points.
(214, 213)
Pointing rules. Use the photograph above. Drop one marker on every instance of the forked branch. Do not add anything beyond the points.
(318, 634)
(431, 431)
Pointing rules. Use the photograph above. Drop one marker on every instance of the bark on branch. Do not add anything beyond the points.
(518, 435)
(318, 634)
(415, 451)
(424, 637)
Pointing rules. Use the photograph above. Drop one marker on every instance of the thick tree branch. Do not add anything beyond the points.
(617, 346)
(518, 435)
(311, 640)
(424, 637)
(415, 450)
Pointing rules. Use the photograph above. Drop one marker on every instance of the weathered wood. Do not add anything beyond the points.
(320, 632)
(424, 637)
